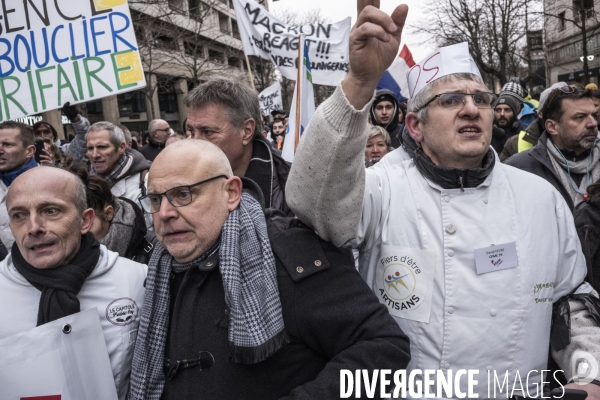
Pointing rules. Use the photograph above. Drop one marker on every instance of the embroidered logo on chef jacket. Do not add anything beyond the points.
(123, 311)
(405, 282)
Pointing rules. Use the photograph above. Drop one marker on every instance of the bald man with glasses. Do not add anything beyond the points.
(244, 307)
(159, 131)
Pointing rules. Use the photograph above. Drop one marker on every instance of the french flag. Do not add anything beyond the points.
(394, 78)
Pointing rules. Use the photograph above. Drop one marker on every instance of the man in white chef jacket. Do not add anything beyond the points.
(468, 254)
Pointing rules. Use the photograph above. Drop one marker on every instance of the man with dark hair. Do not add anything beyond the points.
(239, 306)
(278, 127)
(525, 140)
(16, 156)
(506, 111)
(57, 268)
(44, 130)
(384, 113)
(568, 153)
(278, 133)
(227, 113)
(159, 131)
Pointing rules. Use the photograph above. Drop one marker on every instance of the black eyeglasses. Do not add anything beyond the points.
(481, 100)
(178, 196)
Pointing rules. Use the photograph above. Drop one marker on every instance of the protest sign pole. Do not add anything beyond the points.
(298, 91)
(249, 71)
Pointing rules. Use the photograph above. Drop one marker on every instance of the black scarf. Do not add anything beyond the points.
(60, 285)
(449, 178)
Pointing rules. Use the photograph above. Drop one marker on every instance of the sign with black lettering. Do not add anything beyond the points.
(270, 99)
(58, 51)
(265, 36)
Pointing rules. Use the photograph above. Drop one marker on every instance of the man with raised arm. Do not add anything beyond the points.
(449, 239)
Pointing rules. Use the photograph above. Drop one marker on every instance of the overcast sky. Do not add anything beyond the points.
(336, 10)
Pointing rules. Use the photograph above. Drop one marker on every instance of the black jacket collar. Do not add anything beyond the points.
(449, 178)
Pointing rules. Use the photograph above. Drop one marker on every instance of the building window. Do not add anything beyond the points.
(235, 30)
(167, 102)
(535, 40)
(538, 64)
(135, 101)
(140, 36)
(176, 5)
(561, 21)
(193, 49)
(215, 56)
(224, 23)
(198, 10)
(164, 42)
(233, 62)
(583, 6)
(94, 107)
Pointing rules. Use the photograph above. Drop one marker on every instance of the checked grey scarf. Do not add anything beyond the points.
(122, 165)
(247, 267)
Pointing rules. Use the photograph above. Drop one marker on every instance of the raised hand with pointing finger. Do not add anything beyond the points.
(374, 44)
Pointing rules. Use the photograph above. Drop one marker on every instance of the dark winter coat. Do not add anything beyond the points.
(151, 149)
(587, 222)
(332, 317)
(537, 161)
(532, 134)
(499, 139)
(393, 127)
(142, 241)
(270, 171)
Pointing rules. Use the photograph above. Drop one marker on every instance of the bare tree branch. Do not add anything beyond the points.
(494, 30)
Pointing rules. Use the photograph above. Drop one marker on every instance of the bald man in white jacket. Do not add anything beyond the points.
(50, 221)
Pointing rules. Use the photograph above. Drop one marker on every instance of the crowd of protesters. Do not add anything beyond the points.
(239, 264)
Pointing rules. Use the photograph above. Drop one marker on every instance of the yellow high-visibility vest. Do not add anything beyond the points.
(522, 144)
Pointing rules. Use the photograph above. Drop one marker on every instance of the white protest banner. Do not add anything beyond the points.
(265, 36)
(270, 99)
(53, 52)
(48, 363)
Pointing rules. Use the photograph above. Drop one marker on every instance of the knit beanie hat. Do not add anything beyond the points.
(510, 101)
(513, 89)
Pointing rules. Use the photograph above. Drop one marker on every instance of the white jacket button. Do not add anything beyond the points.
(450, 230)
(450, 253)
(447, 365)
(450, 310)
(493, 313)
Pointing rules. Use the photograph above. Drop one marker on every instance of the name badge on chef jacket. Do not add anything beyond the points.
(496, 258)
(404, 280)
